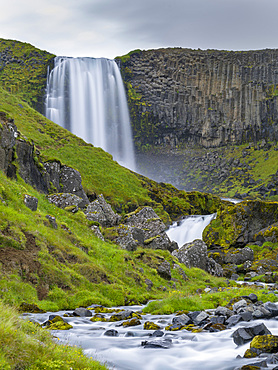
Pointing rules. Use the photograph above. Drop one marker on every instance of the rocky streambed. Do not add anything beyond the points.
(245, 332)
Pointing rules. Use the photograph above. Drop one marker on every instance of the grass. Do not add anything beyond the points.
(178, 301)
(25, 345)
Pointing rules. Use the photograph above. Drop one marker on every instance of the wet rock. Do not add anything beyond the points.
(233, 320)
(223, 311)
(181, 320)
(82, 312)
(31, 202)
(148, 325)
(262, 344)
(157, 334)
(56, 322)
(146, 219)
(163, 343)
(111, 333)
(246, 334)
(237, 306)
(132, 322)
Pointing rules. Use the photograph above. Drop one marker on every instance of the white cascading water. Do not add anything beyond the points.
(87, 97)
(189, 229)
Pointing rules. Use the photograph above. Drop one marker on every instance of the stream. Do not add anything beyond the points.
(181, 350)
(188, 351)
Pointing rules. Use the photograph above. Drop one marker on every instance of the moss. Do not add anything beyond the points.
(148, 325)
(262, 344)
(132, 322)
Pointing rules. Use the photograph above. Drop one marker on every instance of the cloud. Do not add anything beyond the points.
(114, 27)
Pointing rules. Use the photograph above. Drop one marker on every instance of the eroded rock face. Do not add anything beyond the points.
(204, 97)
(194, 254)
(239, 224)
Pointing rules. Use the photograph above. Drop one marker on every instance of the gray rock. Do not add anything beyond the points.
(52, 221)
(272, 308)
(82, 312)
(181, 320)
(129, 237)
(111, 333)
(146, 219)
(233, 320)
(149, 284)
(194, 254)
(239, 256)
(164, 270)
(223, 311)
(163, 343)
(63, 200)
(100, 211)
(31, 202)
(96, 230)
(246, 334)
(238, 305)
(70, 182)
(200, 318)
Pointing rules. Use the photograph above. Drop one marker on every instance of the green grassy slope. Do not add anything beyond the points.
(100, 174)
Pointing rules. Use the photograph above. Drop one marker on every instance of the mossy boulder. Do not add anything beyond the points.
(262, 344)
(149, 325)
(236, 225)
(268, 234)
(57, 323)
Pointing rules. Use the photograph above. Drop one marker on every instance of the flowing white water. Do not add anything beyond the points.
(87, 97)
(190, 351)
(189, 229)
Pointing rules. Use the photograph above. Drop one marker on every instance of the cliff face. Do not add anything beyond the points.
(23, 71)
(207, 98)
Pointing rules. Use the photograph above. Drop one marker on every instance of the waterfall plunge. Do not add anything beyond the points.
(87, 97)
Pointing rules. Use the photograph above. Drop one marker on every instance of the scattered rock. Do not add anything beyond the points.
(31, 202)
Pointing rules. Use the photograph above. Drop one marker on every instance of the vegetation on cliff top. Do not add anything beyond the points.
(23, 70)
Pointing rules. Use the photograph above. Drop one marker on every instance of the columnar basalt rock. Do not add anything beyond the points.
(209, 98)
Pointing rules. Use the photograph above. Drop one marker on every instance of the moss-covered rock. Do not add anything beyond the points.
(262, 344)
(149, 325)
(237, 224)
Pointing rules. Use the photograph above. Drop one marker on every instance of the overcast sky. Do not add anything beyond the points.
(108, 28)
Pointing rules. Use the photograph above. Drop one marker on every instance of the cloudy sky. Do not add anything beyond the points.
(108, 28)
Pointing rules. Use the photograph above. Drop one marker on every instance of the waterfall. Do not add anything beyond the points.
(189, 229)
(87, 97)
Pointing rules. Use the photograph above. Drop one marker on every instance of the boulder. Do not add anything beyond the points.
(63, 200)
(146, 219)
(100, 211)
(164, 270)
(143, 228)
(82, 312)
(162, 343)
(246, 334)
(239, 256)
(31, 202)
(262, 344)
(194, 254)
